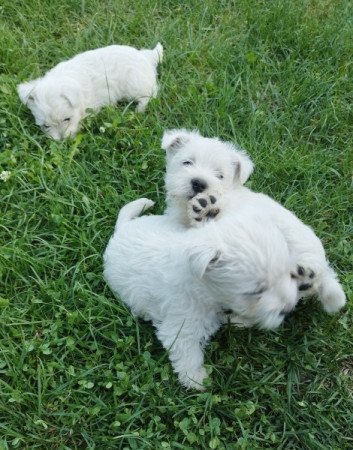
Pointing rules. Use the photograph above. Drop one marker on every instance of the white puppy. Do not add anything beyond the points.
(183, 280)
(199, 172)
(204, 180)
(92, 79)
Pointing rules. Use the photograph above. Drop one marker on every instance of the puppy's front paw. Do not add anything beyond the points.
(194, 379)
(203, 207)
(305, 278)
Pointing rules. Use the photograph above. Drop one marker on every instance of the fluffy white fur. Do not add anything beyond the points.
(183, 280)
(204, 180)
(92, 79)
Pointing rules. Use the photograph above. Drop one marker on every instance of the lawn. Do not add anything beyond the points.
(76, 369)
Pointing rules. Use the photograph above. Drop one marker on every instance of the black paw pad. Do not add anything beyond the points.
(203, 202)
(305, 287)
(213, 213)
(213, 199)
(195, 209)
(301, 270)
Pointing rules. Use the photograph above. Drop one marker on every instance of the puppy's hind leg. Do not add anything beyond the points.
(151, 91)
(142, 104)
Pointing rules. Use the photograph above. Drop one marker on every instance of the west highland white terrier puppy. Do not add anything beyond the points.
(204, 180)
(92, 79)
(184, 279)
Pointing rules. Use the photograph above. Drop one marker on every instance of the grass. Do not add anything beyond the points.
(77, 371)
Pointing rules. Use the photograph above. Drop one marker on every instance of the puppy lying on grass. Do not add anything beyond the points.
(204, 181)
(90, 80)
(184, 279)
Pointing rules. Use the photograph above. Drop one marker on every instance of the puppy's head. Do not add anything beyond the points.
(246, 266)
(196, 163)
(55, 103)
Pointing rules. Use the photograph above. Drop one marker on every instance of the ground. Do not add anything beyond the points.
(77, 371)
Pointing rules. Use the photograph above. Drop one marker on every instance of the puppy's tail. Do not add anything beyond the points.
(155, 55)
(331, 293)
(132, 210)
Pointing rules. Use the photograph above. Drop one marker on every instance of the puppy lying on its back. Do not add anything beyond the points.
(204, 180)
(60, 98)
(183, 280)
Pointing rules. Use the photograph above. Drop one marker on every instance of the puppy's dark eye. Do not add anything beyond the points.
(45, 126)
(67, 119)
(220, 176)
(187, 163)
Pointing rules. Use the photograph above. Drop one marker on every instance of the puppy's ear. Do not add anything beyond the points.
(243, 167)
(173, 140)
(26, 90)
(203, 258)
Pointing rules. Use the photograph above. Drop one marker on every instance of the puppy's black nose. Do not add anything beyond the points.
(198, 185)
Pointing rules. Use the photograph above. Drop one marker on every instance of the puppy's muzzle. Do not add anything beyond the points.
(198, 185)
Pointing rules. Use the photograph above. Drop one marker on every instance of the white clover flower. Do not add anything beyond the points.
(5, 175)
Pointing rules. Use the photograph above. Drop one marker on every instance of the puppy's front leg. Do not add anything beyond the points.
(184, 340)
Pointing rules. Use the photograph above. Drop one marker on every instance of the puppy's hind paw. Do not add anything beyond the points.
(203, 207)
